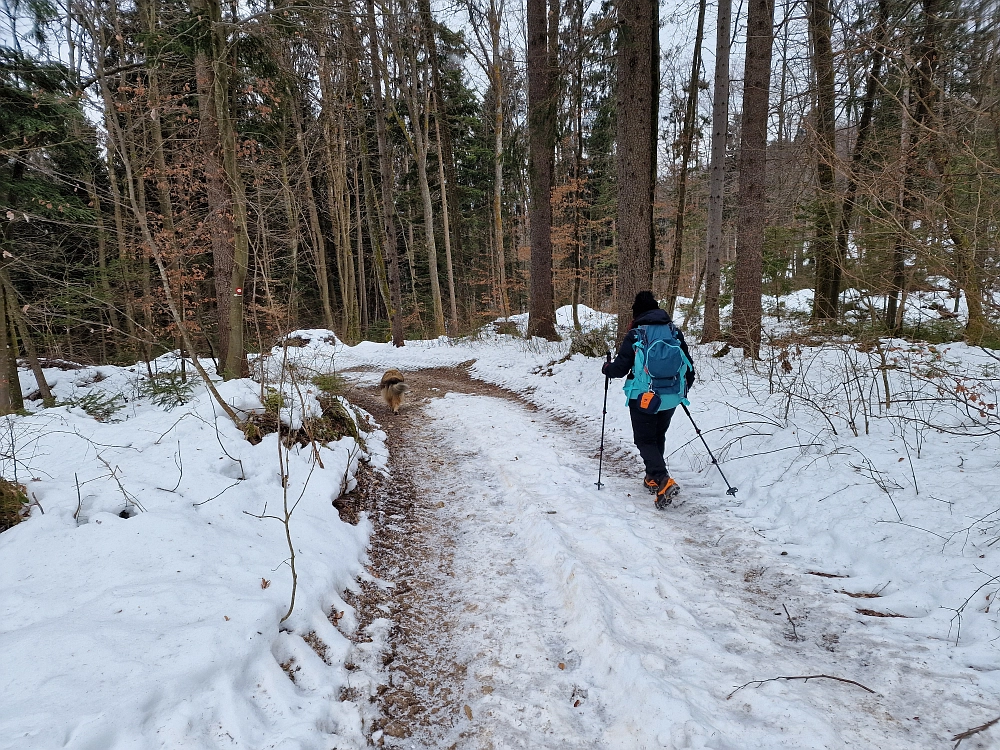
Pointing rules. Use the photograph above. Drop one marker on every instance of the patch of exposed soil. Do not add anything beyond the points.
(413, 553)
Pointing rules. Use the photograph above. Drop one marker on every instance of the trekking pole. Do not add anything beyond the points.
(732, 490)
(604, 416)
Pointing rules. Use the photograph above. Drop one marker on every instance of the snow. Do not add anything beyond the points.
(155, 631)
(162, 629)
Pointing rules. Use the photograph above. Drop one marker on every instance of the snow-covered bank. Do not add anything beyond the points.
(142, 609)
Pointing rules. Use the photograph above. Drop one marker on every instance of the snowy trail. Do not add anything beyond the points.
(588, 619)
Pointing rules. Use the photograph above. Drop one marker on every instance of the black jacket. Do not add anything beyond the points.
(622, 364)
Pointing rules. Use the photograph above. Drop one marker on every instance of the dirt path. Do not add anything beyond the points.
(412, 548)
(530, 610)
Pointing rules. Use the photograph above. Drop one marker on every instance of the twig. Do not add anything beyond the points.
(806, 678)
(776, 450)
(179, 463)
(957, 739)
(79, 498)
(130, 499)
(795, 633)
(219, 495)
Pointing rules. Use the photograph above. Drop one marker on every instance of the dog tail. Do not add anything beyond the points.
(398, 388)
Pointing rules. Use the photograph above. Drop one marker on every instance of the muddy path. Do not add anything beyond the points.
(412, 551)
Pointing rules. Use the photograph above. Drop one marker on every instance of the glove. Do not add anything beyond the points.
(604, 368)
(688, 380)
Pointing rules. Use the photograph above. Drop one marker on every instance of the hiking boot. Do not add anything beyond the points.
(667, 490)
(651, 484)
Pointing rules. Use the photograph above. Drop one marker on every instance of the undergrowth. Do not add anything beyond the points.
(13, 504)
(101, 406)
(167, 389)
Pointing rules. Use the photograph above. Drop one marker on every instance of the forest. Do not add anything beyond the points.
(202, 177)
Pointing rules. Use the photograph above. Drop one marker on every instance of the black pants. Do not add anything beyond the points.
(649, 431)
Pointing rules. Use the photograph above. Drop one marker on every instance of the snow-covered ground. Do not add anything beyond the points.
(162, 628)
(155, 630)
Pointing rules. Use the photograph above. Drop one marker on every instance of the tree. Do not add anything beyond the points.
(542, 78)
(752, 169)
(687, 141)
(638, 100)
(227, 196)
(390, 240)
(717, 179)
(825, 244)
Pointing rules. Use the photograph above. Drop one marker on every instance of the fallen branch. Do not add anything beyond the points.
(795, 633)
(957, 739)
(806, 678)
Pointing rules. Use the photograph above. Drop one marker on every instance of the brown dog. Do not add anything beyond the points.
(393, 389)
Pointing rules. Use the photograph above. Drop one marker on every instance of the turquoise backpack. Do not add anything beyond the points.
(660, 366)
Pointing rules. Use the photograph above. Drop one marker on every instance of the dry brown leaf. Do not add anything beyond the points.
(468, 712)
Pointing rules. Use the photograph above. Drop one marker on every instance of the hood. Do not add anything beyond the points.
(656, 317)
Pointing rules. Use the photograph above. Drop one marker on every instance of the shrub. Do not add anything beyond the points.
(330, 382)
(167, 389)
(101, 406)
(13, 504)
(595, 343)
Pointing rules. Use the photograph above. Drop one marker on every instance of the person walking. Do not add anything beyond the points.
(652, 399)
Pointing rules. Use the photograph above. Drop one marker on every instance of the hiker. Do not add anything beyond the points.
(653, 333)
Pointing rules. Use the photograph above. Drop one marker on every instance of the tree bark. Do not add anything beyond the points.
(5, 358)
(450, 211)
(872, 87)
(687, 141)
(496, 82)
(541, 145)
(578, 167)
(391, 246)
(32, 355)
(637, 106)
(825, 243)
(446, 219)
(224, 185)
(753, 169)
(717, 174)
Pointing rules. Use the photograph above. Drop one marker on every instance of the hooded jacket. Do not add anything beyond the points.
(622, 364)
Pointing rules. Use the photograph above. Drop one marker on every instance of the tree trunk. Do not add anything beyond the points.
(5, 358)
(16, 394)
(391, 246)
(32, 355)
(637, 105)
(315, 227)
(496, 81)
(450, 204)
(541, 145)
(717, 174)
(979, 328)
(577, 167)
(445, 218)
(825, 243)
(753, 169)
(906, 205)
(687, 141)
(872, 87)
(429, 241)
(362, 280)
